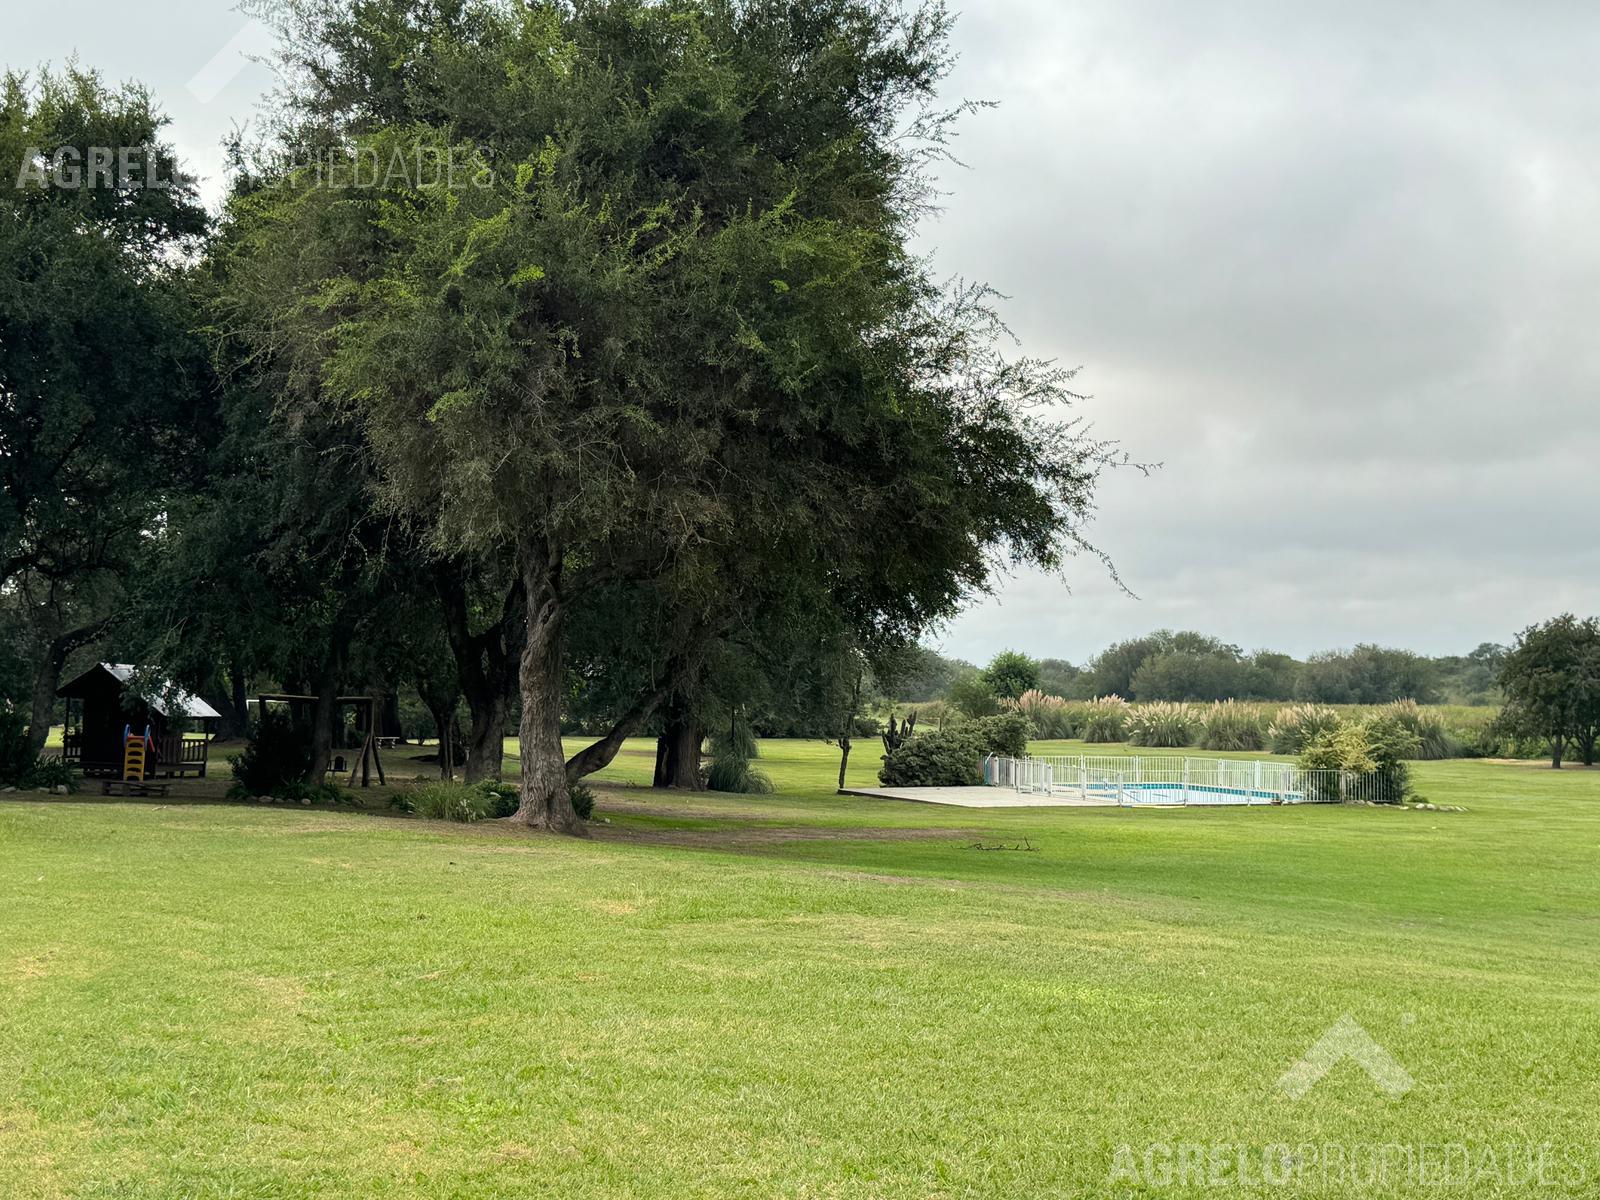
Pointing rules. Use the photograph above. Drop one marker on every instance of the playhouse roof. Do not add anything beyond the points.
(189, 705)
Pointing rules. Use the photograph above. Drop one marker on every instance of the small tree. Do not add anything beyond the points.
(972, 695)
(1551, 680)
(1010, 673)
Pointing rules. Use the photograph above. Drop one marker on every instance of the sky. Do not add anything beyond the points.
(1333, 265)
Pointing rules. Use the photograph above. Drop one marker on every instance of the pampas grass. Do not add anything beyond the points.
(1103, 720)
(1229, 725)
(1162, 724)
(1297, 726)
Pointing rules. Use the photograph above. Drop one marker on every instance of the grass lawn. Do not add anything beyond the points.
(798, 995)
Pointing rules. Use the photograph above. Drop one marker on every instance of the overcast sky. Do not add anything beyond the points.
(1335, 265)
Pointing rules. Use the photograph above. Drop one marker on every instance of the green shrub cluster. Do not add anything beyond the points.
(274, 760)
(20, 764)
(945, 759)
(1246, 727)
(18, 759)
(1377, 748)
(738, 776)
(449, 800)
(48, 774)
(954, 757)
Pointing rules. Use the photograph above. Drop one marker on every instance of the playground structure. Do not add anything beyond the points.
(103, 710)
(137, 750)
(1166, 781)
(367, 756)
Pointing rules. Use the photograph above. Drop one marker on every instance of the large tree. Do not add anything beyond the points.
(102, 385)
(660, 325)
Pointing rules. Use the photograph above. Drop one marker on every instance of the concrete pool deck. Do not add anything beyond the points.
(978, 797)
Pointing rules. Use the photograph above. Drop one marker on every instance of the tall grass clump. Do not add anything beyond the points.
(731, 753)
(1297, 726)
(1229, 725)
(448, 800)
(1162, 723)
(1103, 720)
(1434, 739)
(1051, 717)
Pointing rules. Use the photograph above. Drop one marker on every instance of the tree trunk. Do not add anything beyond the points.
(48, 678)
(487, 665)
(239, 698)
(389, 723)
(598, 755)
(1558, 750)
(485, 740)
(45, 682)
(678, 751)
(546, 800)
(442, 711)
(844, 759)
(324, 711)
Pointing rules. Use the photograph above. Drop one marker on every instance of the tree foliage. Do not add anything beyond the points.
(102, 381)
(1551, 679)
(671, 335)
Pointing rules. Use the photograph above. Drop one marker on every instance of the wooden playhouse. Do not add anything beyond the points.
(102, 708)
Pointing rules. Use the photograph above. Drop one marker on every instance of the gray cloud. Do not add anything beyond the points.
(1333, 263)
(1334, 266)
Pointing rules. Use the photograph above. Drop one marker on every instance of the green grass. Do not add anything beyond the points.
(793, 995)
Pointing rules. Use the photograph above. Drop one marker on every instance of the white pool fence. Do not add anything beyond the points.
(1167, 780)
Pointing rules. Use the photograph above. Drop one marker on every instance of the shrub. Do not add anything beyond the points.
(737, 741)
(1392, 744)
(868, 727)
(51, 773)
(1103, 720)
(275, 758)
(18, 760)
(582, 801)
(1230, 725)
(1434, 739)
(447, 800)
(1296, 727)
(1162, 723)
(1005, 735)
(1331, 752)
(737, 776)
(298, 791)
(505, 798)
(1049, 716)
(951, 759)
(1377, 748)
(972, 696)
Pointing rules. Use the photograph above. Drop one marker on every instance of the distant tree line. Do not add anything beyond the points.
(1189, 666)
